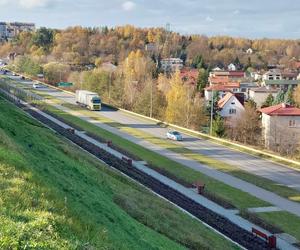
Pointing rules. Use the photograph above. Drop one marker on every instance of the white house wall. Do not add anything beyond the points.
(232, 103)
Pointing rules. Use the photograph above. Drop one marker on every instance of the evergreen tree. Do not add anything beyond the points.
(279, 97)
(216, 99)
(218, 126)
(198, 62)
(288, 98)
(237, 63)
(268, 102)
(202, 80)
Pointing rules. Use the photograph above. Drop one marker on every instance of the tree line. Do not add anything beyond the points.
(134, 81)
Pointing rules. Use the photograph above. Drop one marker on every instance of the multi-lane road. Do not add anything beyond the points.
(258, 166)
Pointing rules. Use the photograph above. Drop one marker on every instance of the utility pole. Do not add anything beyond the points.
(109, 86)
(151, 99)
(211, 111)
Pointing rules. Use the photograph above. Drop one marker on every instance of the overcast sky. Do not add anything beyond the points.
(253, 19)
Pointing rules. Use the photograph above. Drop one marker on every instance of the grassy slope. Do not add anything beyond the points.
(64, 202)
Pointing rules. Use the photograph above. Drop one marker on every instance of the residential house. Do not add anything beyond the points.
(245, 87)
(171, 64)
(289, 75)
(281, 126)
(231, 67)
(282, 84)
(231, 107)
(237, 75)
(217, 69)
(221, 89)
(294, 64)
(259, 95)
(189, 76)
(225, 77)
(249, 51)
(273, 74)
(151, 47)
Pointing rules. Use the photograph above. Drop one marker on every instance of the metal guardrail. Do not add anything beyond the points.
(15, 93)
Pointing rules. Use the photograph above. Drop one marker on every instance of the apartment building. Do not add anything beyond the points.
(11, 30)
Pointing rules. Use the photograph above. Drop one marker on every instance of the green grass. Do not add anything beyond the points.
(55, 196)
(267, 184)
(289, 223)
(236, 197)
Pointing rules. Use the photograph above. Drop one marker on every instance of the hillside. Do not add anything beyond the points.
(54, 196)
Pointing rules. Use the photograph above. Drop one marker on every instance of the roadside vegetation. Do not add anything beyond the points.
(55, 196)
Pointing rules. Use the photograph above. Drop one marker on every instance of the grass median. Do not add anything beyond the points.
(236, 197)
(289, 223)
(264, 183)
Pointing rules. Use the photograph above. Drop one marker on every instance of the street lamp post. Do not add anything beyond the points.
(211, 111)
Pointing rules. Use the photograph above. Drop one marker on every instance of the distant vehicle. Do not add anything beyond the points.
(37, 86)
(174, 135)
(88, 99)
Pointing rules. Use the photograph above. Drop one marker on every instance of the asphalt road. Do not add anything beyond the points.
(258, 166)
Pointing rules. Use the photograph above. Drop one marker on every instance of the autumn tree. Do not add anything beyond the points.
(150, 101)
(183, 106)
(177, 100)
(26, 64)
(136, 70)
(296, 96)
(56, 72)
(246, 128)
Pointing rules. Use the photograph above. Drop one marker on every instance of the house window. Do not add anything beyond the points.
(292, 123)
(232, 111)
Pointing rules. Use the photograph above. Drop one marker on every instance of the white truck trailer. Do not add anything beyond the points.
(88, 99)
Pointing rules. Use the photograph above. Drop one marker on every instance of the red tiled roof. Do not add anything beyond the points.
(237, 74)
(225, 99)
(219, 79)
(189, 73)
(223, 87)
(281, 110)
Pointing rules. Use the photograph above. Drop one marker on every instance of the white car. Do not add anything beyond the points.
(36, 86)
(174, 135)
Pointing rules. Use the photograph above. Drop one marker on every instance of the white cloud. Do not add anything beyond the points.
(128, 6)
(32, 4)
(209, 19)
(27, 4)
(236, 12)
